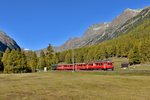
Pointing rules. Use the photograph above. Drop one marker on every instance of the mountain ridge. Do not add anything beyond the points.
(7, 42)
(97, 33)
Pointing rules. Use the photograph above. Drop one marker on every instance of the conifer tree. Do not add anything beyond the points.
(11, 66)
(5, 59)
(23, 62)
(5, 56)
(17, 67)
(42, 62)
(55, 59)
(28, 59)
(33, 62)
(134, 57)
(68, 58)
(49, 55)
(90, 55)
(144, 48)
(1, 64)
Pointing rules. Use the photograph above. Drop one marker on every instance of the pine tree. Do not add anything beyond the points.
(144, 48)
(17, 67)
(49, 55)
(5, 56)
(5, 59)
(42, 62)
(1, 64)
(33, 62)
(28, 59)
(23, 62)
(68, 58)
(54, 59)
(90, 56)
(134, 57)
(11, 66)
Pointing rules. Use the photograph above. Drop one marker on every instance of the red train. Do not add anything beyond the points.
(104, 65)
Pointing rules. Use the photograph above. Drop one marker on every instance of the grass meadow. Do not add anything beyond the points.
(139, 67)
(75, 86)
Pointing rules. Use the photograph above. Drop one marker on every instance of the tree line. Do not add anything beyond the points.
(16, 61)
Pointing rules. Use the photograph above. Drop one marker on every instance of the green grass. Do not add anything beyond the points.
(118, 61)
(74, 86)
(146, 68)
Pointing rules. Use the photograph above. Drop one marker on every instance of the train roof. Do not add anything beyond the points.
(100, 61)
(72, 64)
(89, 62)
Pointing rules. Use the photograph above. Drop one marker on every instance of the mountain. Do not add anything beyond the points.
(132, 41)
(133, 22)
(99, 32)
(7, 42)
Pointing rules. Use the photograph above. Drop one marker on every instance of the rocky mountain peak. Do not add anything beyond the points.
(7, 42)
(133, 10)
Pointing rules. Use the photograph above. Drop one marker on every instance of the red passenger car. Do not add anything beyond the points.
(104, 65)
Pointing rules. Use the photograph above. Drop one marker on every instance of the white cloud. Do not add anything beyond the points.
(26, 49)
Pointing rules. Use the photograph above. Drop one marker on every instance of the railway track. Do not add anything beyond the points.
(102, 71)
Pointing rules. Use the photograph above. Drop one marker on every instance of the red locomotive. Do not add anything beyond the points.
(104, 65)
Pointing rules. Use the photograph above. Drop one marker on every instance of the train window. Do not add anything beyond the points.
(97, 64)
(100, 64)
(108, 64)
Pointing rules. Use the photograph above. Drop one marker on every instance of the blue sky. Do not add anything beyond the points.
(33, 24)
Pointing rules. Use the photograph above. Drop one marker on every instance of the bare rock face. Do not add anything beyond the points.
(143, 14)
(99, 32)
(7, 42)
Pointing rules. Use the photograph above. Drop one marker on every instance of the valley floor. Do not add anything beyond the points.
(74, 86)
